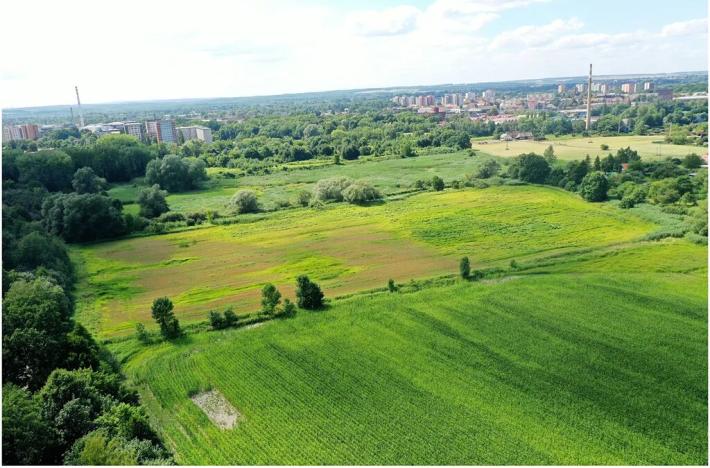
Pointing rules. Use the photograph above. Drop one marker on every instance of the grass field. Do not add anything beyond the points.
(343, 247)
(603, 363)
(578, 148)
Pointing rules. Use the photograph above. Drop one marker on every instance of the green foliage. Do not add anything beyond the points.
(349, 151)
(486, 169)
(692, 161)
(216, 320)
(530, 168)
(270, 298)
(51, 168)
(288, 309)
(331, 189)
(81, 218)
(175, 174)
(437, 183)
(97, 448)
(152, 201)
(594, 187)
(308, 294)
(142, 334)
(244, 201)
(26, 436)
(360, 193)
(391, 286)
(162, 313)
(116, 158)
(465, 268)
(303, 198)
(407, 150)
(85, 180)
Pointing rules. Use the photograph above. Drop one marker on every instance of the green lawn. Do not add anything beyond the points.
(601, 364)
(345, 248)
(649, 147)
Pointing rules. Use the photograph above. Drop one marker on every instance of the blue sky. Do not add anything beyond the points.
(178, 49)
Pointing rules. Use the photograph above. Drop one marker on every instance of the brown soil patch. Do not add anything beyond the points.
(217, 408)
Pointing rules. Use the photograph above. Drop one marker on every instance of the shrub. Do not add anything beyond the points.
(361, 192)
(531, 168)
(217, 321)
(308, 293)
(174, 173)
(230, 317)
(288, 309)
(142, 334)
(86, 181)
(331, 189)
(196, 218)
(486, 169)
(391, 286)
(465, 268)
(692, 161)
(244, 201)
(437, 183)
(171, 217)
(604, 147)
(303, 198)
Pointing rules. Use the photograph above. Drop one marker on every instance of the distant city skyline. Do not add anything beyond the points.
(175, 50)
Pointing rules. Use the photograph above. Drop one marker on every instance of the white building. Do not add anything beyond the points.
(196, 132)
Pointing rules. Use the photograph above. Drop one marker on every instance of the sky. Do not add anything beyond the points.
(156, 49)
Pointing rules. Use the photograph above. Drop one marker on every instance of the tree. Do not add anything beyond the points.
(308, 293)
(175, 174)
(360, 193)
(336, 159)
(549, 154)
(407, 151)
(465, 268)
(142, 334)
(349, 151)
(532, 168)
(288, 309)
(86, 181)
(152, 201)
(437, 183)
(270, 298)
(97, 448)
(81, 218)
(230, 317)
(216, 320)
(25, 434)
(303, 198)
(486, 169)
(51, 168)
(594, 187)
(162, 312)
(391, 286)
(117, 158)
(244, 201)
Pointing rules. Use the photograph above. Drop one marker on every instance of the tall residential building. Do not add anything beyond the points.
(163, 131)
(196, 132)
(29, 131)
(603, 88)
(489, 95)
(561, 88)
(135, 129)
(628, 88)
(581, 87)
(648, 86)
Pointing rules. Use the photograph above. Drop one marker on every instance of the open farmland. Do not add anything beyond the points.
(648, 147)
(600, 367)
(345, 248)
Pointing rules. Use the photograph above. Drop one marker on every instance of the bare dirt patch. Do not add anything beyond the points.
(217, 408)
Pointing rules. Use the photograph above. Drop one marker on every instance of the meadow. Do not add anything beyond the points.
(602, 363)
(344, 248)
(649, 147)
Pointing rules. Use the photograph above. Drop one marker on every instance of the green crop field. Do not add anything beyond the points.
(649, 147)
(564, 366)
(345, 248)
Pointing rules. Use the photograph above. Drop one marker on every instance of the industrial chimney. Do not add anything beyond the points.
(589, 100)
(78, 103)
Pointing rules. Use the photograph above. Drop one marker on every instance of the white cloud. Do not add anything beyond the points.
(389, 22)
(535, 36)
(686, 28)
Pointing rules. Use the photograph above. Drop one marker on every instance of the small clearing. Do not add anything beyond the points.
(217, 408)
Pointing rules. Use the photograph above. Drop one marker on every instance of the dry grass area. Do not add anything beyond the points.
(217, 408)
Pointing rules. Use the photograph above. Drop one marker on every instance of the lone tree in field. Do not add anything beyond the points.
(391, 286)
(162, 312)
(270, 298)
(308, 293)
(465, 268)
(437, 183)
